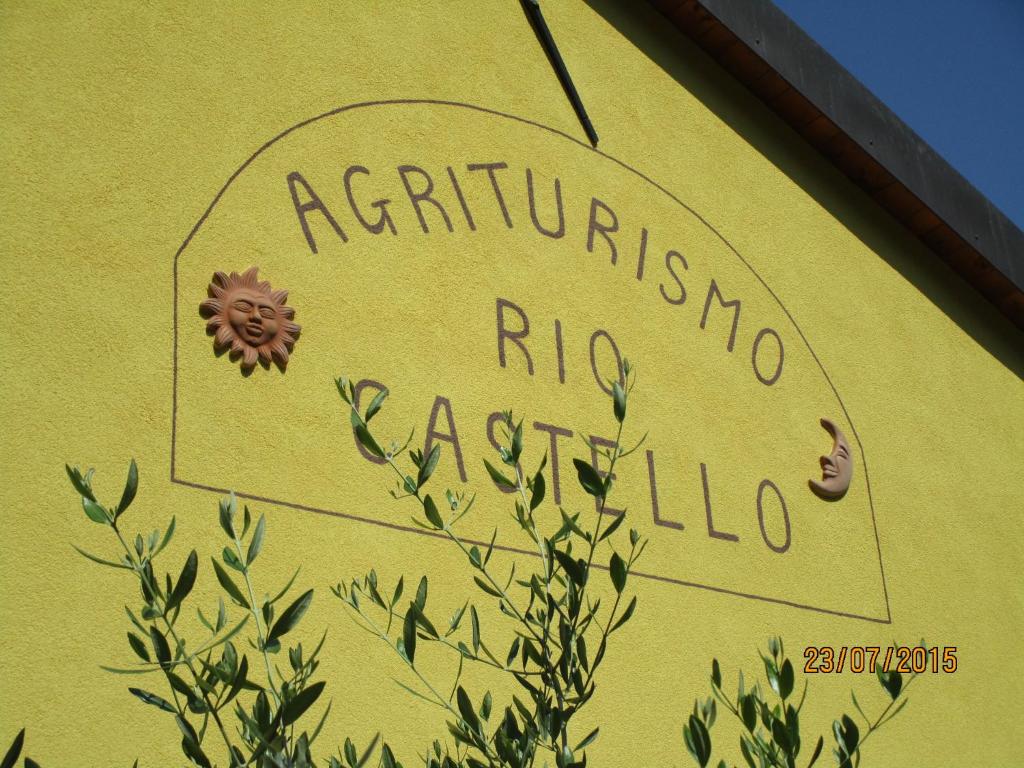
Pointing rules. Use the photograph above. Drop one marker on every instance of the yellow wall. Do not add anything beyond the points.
(121, 124)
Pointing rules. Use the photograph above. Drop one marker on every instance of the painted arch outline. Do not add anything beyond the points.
(887, 619)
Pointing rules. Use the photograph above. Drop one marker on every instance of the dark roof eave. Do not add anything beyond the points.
(767, 52)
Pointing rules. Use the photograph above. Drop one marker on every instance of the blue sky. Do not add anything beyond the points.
(952, 70)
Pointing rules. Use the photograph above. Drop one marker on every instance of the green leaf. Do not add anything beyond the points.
(228, 556)
(375, 404)
(589, 480)
(537, 496)
(295, 708)
(163, 650)
(425, 624)
(290, 616)
(851, 735)
(429, 465)
(190, 743)
(186, 581)
(716, 673)
(168, 535)
(82, 484)
(899, 708)
(364, 437)
(466, 709)
(748, 712)
(138, 646)
(182, 687)
(613, 526)
(517, 443)
(19, 741)
(786, 679)
(227, 508)
(772, 673)
(399, 587)
(130, 487)
(571, 566)
(342, 384)
(409, 633)
(100, 560)
(588, 740)
(257, 540)
(153, 699)
(229, 586)
(618, 402)
(781, 736)
(475, 621)
(421, 593)
(745, 751)
(286, 587)
(432, 515)
(238, 682)
(626, 615)
(817, 751)
(892, 681)
(617, 567)
(95, 512)
(498, 477)
(368, 751)
(698, 742)
(486, 587)
(490, 547)
(456, 619)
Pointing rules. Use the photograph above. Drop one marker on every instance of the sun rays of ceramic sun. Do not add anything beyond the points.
(247, 317)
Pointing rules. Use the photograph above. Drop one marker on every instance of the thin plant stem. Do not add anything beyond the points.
(178, 644)
(259, 627)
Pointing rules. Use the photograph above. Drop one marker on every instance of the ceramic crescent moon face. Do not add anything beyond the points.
(836, 468)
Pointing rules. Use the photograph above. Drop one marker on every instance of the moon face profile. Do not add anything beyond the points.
(836, 468)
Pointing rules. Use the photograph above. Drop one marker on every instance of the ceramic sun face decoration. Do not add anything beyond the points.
(248, 318)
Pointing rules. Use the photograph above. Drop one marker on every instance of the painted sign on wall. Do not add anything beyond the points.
(506, 265)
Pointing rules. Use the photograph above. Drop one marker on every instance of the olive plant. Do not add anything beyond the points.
(560, 622)
(207, 677)
(14, 752)
(770, 723)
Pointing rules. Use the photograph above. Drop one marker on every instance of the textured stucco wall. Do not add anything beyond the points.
(119, 125)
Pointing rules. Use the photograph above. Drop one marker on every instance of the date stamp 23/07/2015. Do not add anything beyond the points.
(897, 658)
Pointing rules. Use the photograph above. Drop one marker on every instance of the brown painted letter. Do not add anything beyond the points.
(619, 372)
(515, 336)
(357, 390)
(734, 304)
(452, 436)
(654, 496)
(462, 199)
(560, 232)
(643, 254)
(760, 516)
(605, 229)
(385, 219)
(493, 419)
(417, 197)
(604, 443)
(555, 433)
(491, 168)
(312, 204)
(769, 380)
(675, 276)
(714, 534)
